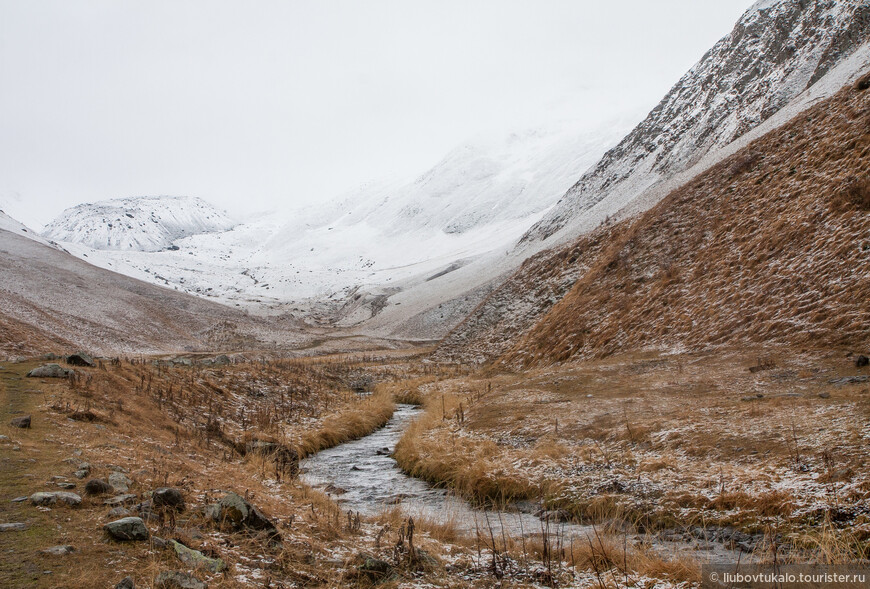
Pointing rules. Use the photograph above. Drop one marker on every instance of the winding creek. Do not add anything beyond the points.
(362, 476)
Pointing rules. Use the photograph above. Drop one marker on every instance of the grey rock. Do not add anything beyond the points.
(64, 497)
(177, 580)
(80, 359)
(21, 499)
(59, 550)
(13, 527)
(65, 485)
(237, 512)
(196, 559)
(119, 512)
(49, 371)
(159, 542)
(825, 395)
(97, 487)
(374, 569)
(167, 497)
(126, 583)
(127, 529)
(23, 422)
(862, 361)
(120, 482)
(80, 474)
(126, 499)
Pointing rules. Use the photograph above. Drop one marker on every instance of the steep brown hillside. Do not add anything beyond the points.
(51, 301)
(771, 245)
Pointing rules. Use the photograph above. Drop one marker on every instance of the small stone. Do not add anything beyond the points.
(22, 422)
(127, 499)
(177, 580)
(13, 527)
(126, 583)
(21, 499)
(63, 485)
(119, 512)
(159, 542)
(127, 529)
(167, 497)
(195, 558)
(64, 497)
(82, 473)
(120, 482)
(97, 487)
(59, 550)
(49, 371)
(825, 395)
(862, 361)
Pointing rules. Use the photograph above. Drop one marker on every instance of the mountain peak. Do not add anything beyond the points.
(144, 223)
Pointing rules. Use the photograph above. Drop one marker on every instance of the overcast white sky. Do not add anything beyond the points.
(258, 105)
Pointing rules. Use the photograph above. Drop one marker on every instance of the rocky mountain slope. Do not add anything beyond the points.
(367, 245)
(777, 50)
(142, 224)
(769, 246)
(52, 301)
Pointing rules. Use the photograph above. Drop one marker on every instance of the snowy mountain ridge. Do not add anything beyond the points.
(149, 223)
(480, 197)
(777, 50)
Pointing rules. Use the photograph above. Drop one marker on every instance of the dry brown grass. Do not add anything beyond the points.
(766, 247)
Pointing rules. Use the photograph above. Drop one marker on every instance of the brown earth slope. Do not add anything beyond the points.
(770, 246)
(52, 301)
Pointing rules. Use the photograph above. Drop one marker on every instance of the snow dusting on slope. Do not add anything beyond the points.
(141, 224)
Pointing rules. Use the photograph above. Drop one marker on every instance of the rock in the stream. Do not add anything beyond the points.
(167, 497)
(177, 580)
(64, 497)
(120, 482)
(23, 422)
(196, 559)
(126, 583)
(97, 487)
(13, 527)
(127, 529)
(59, 550)
(49, 371)
(240, 514)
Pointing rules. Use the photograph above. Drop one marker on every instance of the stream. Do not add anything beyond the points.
(363, 477)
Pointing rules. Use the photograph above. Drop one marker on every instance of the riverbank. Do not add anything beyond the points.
(760, 450)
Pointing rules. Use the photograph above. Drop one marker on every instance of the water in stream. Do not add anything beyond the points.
(361, 476)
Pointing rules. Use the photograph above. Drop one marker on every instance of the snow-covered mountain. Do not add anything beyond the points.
(148, 223)
(777, 50)
(481, 197)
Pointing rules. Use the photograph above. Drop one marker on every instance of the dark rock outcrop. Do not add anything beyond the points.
(127, 529)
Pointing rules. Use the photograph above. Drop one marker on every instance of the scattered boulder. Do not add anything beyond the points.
(80, 359)
(222, 360)
(59, 550)
(862, 361)
(825, 395)
(127, 529)
(120, 482)
(13, 527)
(97, 487)
(49, 371)
(196, 559)
(65, 485)
(177, 580)
(119, 512)
(238, 513)
(21, 499)
(64, 497)
(167, 497)
(22, 422)
(126, 583)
